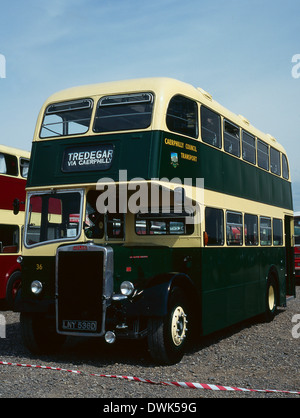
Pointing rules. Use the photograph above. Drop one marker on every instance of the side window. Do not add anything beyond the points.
(251, 229)
(9, 239)
(297, 230)
(262, 155)
(277, 232)
(285, 167)
(234, 228)
(182, 116)
(8, 164)
(210, 127)
(115, 226)
(156, 224)
(99, 225)
(265, 231)
(275, 161)
(214, 226)
(24, 167)
(231, 138)
(249, 149)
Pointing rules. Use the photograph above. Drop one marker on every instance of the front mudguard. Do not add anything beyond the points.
(153, 299)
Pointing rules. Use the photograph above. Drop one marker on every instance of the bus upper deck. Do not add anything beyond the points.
(144, 127)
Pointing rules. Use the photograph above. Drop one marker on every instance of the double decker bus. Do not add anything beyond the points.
(297, 245)
(152, 212)
(14, 164)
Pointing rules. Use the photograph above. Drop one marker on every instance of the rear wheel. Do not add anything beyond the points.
(271, 299)
(39, 334)
(167, 336)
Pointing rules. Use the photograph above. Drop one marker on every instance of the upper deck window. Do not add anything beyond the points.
(8, 164)
(210, 127)
(24, 167)
(231, 138)
(249, 149)
(262, 155)
(67, 118)
(285, 167)
(124, 112)
(275, 161)
(182, 116)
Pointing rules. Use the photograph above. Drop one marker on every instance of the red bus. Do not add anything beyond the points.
(14, 165)
(297, 245)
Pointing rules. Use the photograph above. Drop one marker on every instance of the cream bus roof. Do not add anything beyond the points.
(14, 151)
(162, 87)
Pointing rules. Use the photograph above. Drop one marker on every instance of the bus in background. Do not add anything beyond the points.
(14, 164)
(297, 245)
(120, 241)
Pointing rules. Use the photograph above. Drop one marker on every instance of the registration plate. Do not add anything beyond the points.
(78, 325)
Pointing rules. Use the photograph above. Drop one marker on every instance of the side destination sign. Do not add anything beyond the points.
(88, 158)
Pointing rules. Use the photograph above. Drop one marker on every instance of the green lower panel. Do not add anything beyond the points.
(234, 283)
(230, 282)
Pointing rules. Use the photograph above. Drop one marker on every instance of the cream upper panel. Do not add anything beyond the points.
(164, 89)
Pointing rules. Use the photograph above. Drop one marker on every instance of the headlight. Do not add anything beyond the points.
(36, 287)
(127, 288)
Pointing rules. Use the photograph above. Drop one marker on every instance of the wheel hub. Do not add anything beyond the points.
(271, 298)
(179, 326)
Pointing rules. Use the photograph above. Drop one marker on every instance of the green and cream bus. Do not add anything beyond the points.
(152, 212)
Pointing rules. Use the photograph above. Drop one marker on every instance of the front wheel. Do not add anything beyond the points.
(168, 336)
(39, 334)
(13, 286)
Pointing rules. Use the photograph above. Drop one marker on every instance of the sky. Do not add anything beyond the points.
(246, 53)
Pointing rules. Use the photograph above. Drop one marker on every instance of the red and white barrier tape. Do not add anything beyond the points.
(186, 385)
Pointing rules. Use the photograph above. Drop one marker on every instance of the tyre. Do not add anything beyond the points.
(168, 336)
(12, 288)
(271, 299)
(39, 334)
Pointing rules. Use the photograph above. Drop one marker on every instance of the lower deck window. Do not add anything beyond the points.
(277, 232)
(102, 225)
(234, 228)
(251, 229)
(265, 231)
(9, 239)
(214, 226)
(163, 224)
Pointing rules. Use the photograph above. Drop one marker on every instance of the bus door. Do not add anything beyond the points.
(289, 255)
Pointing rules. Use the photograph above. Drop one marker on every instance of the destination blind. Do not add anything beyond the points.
(88, 158)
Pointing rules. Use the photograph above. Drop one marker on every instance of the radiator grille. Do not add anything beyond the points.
(80, 286)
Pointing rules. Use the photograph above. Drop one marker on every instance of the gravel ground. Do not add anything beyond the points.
(251, 355)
